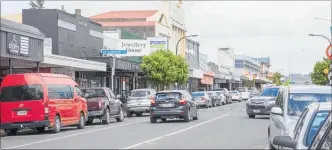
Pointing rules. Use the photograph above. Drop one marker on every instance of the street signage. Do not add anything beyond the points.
(108, 51)
(328, 52)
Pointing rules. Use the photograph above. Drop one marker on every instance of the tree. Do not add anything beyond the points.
(276, 78)
(164, 67)
(39, 4)
(318, 76)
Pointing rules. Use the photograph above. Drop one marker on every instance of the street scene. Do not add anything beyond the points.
(166, 75)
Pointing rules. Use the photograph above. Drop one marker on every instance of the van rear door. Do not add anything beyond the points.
(21, 103)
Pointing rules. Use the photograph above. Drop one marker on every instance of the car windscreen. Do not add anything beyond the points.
(241, 89)
(168, 95)
(197, 94)
(252, 89)
(316, 122)
(138, 93)
(210, 94)
(94, 93)
(218, 93)
(270, 92)
(21, 93)
(297, 102)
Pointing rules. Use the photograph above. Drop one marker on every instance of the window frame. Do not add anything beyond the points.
(72, 90)
(300, 123)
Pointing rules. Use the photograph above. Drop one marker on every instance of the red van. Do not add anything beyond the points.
(40, 100)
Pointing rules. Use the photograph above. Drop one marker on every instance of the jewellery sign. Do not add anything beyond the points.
(135, 47)
(17, 44)
(157, 43)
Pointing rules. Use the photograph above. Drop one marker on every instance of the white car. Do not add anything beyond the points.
(236, 96)
(244, 93)
(289, 105)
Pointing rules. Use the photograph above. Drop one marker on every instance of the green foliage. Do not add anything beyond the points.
(318, 76)
(276, 78)
(39, 4)
(164, 67)
(248, 83)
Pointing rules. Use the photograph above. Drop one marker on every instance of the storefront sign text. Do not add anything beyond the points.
(17, 44)
(157, 43)
(126, 65)
(135, 47)
(102, 74)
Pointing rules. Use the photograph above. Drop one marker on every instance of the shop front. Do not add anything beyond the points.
(21, 48)
(206, 83)
(195, 75)
(128, 75)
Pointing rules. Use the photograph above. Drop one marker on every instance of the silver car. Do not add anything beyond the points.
(306, 128)
(202, 99)
(291, 102)
(262, 104)
(139, 101)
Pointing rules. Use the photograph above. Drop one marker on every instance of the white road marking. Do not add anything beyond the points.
(176, 132)
(66, 136)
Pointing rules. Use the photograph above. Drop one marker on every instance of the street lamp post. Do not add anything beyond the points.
(177, 44)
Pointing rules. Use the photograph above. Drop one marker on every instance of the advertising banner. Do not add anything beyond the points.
(135, 47)
(157, 43)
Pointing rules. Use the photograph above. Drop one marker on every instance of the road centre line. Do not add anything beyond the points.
(176, 132)
(66, 136)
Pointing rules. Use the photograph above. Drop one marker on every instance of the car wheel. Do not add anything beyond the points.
(107, 117)
(163, 119)
(57, 124)
(81, 122)
(223, 103)
(40, 129)
(129, 114)
(121, 115)
(90, 121)
(139, 114)
(12, 132)
(196, 116)
(251, 116)
(153, 120)
(271, 147)
(187, 117)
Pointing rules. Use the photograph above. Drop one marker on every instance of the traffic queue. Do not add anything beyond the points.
(44, 101)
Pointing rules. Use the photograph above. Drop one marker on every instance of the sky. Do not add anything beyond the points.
(275, 29)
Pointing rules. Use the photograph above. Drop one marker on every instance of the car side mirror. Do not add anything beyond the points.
(276, 111)
(118, 96)
(284, 141)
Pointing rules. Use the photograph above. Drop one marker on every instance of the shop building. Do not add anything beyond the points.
(206, 83)
(195, 72)
(225, 62)
(21, 48)
(128, 75)
(74, 39)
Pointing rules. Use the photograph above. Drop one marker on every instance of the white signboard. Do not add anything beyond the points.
(135, 47)
(48, 46)
(157, 43)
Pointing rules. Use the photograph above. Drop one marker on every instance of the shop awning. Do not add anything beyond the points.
(51, 60)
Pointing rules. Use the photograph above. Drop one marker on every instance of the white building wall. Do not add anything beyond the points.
(226, 60)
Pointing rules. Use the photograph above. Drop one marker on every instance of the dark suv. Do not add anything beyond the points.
(173, 104)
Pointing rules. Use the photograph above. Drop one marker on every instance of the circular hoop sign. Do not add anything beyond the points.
(328, 52)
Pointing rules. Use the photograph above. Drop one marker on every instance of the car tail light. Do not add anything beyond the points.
(99, 102)
(153, 103)
(183, 102)
(203, 99)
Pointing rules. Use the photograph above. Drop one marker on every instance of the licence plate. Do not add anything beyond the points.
(166, 105)
(256, 111)
(21, 113)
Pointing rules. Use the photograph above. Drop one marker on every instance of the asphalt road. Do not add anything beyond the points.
(223, 127)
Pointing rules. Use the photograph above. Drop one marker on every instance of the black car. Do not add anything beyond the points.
(173, 104)
(227, 95)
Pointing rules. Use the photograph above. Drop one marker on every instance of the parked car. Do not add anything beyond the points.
(221, 96)
(215, 99)
(306, 127)
(40, 100)
(139, 101)
(226, 93)
(173, 104)
(244, 92)
(236, 95)
(252, 91)
(290, 103)
(202, 99)
(262, 104)
(103, 104)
